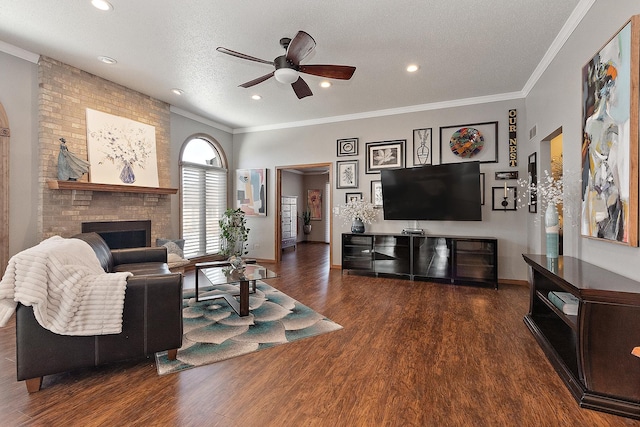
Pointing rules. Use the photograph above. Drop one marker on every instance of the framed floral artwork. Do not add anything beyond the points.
(348, 147)
(121, 151)
(314, 201)
(469, 143)
(347, 174)
(385, 155)
(376, 193)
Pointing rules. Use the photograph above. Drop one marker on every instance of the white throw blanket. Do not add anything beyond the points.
(64, 282)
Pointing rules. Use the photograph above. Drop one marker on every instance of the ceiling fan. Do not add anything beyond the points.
(288, 67)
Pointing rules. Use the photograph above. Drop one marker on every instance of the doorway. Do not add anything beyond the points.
(551, 155)
(305, 172)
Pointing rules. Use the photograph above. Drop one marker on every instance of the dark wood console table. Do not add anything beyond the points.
(591, 351)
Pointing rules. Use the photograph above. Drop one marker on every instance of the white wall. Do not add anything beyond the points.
(555, 102)
(314, 144)
(18, 95)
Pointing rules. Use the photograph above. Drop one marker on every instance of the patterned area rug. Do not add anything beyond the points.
(214, 332)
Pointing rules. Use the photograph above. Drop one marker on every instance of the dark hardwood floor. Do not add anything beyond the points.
(410, 354)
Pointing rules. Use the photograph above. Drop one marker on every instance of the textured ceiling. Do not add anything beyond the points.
(465, 49)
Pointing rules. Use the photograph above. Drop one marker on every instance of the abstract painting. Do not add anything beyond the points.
(469, 143)
(610, 139)
(121, 151)
(251, 191)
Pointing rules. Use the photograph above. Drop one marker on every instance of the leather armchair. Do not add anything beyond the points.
(151, 320)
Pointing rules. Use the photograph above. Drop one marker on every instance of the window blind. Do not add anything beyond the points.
(204, 200)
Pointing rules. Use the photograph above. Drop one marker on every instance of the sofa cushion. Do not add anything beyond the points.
(174, 246)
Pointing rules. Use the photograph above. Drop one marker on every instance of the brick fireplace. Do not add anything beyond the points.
(64, 95)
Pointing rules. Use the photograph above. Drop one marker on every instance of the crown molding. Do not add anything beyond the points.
(18, 52)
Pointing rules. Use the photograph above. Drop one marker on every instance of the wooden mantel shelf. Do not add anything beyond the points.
(108, 188)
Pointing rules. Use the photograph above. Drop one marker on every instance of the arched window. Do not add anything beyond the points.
(203, 184)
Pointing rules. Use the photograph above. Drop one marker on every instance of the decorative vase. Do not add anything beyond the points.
(552, 228)
(357, 226)
(236, 262)
(306, 228)
(127, 176)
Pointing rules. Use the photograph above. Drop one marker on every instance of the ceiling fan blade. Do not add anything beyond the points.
(342, 72)
(301, 46)
(256, 81)
(242, 55)
(301, 88)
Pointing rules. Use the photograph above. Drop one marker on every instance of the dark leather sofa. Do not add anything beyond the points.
(152, 319)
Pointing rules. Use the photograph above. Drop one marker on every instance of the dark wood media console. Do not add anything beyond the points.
(591, 351)
(472, 260)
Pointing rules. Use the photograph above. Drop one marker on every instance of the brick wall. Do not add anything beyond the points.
(64, 95)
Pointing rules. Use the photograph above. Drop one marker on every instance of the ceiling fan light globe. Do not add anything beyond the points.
(286, 75)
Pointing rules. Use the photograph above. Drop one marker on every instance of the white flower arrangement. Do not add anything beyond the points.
(548, 190)
(358, 209)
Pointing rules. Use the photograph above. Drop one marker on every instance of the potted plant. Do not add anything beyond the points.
(233, 235)
(306, 219)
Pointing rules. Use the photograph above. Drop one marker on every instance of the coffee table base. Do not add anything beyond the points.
(242, 308)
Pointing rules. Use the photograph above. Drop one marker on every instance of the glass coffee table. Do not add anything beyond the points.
(212, 274)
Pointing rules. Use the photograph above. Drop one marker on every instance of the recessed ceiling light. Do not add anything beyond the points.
(325, 84)
(177, 91)
(102, 5)
(107, 60)
(256, 97)
(412, 68)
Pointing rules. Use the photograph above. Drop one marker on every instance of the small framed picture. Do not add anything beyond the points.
(385, 155)
(507, 175)
(532, 178)
(347, 174)
(348, 147)
(504, 198)
(349, 197)
(376, 193)
(422, 147)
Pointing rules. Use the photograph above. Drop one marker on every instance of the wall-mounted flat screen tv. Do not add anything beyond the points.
(449, 192)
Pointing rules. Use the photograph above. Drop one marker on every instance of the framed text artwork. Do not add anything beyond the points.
(347, 174)
(385, 155)
(348, 147)
(469, 143)
(121, 151)
(314, 202)
(610, 139)
(376, 193)
(251, 191)
(421, 147)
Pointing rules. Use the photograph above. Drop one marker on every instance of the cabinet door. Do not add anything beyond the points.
(431, 257)
(392, 255)
(357, 252)
(475, 260)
